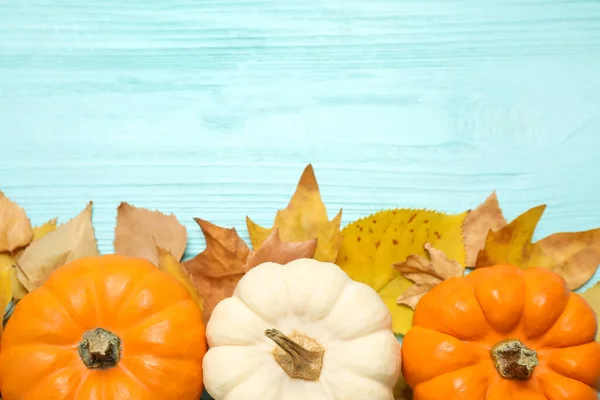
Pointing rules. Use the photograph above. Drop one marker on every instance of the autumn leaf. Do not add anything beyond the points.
(573, 255)
(305, 218)
(426, 273)
(216, 271)
(15, 226)
(5, 290)
(7, 259)
(225, 252)
(274, 250)
(44, 229)
(592, 296)
(477, 225)
(372, 245)
(170, 265)
(512, 243)
(139, 231)
(72, 240)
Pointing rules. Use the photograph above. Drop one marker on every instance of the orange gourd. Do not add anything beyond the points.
(503, 333)
(107, 328)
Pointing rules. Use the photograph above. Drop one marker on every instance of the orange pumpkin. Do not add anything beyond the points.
(106, 328)
(503, 333)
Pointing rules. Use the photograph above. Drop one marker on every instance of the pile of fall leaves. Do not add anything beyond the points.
(401, 253)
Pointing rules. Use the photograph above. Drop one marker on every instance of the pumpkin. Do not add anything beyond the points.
(105, 327)
(501, 333)
(303, 330)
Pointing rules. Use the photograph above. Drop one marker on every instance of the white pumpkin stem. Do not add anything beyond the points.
(299, 356)
(99, 349)
(514, 360)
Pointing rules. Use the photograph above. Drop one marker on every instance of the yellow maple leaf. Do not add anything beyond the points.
(5, 290)
(372, 245)
(573, 255)
(512, 243)
(170, 265)
(305, 218)
(592, 296)
(15, 226)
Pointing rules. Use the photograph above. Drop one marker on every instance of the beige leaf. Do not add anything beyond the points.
(18, 290)
(15, 227)
(477, 225)
(426, 273)
(72, 240)
(140, 230)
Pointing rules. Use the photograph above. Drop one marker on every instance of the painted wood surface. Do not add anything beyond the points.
(212, 108)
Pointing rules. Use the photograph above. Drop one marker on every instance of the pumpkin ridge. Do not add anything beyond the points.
(545, 391)
(47, 378)
(145, 318)
(84, 377)
(135, 288)
(67, 312)
(94, 293)
(572, 296)
(485, 317)
(131, 375)
(480, 366)
(492, 328)
(529, 274)
(263, 317)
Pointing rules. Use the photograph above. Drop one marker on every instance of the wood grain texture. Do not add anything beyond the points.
(212, 108)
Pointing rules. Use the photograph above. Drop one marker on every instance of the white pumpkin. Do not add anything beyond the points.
(301, 331)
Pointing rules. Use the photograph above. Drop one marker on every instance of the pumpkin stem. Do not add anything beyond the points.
(298, 355)
(513, 360)
(100, 349)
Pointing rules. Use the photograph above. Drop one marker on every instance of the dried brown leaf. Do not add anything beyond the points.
(477, 225)
(72, 240)
(216, 271)
(225, 252)
(139, 231)
(213, 290)
(274, 250)
(573, 255)
(426, 273)
(15, 226)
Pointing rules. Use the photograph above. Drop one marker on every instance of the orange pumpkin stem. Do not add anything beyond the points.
(513, 360)
(299, 356)
(100, 349)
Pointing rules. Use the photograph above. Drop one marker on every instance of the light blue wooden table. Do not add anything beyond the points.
(211, 108)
